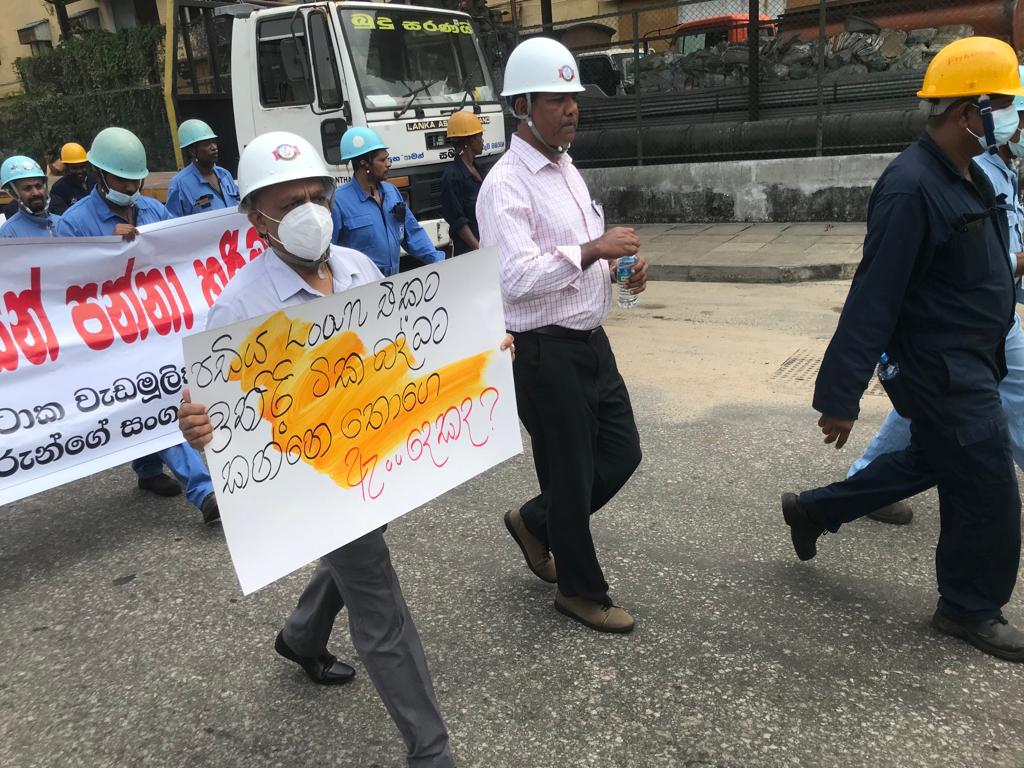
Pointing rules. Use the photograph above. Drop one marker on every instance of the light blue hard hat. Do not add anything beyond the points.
(192, 131)
(19, 167)
(358, 140)
(119, 152)
(1018, 101)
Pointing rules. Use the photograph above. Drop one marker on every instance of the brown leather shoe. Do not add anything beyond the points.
(538, 559)
(603, 618)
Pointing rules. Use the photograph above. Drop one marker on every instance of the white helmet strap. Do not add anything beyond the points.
(528, 117)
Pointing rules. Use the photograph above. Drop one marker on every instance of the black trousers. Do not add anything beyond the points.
(574, 403)
(978, 553)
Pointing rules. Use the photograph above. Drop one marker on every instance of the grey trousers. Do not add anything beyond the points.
(360, 576)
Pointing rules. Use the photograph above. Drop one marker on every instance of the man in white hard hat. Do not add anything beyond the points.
(556, 268)
(286, 189)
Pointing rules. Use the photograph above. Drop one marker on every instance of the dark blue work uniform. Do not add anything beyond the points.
(935, 291)
(459, 190)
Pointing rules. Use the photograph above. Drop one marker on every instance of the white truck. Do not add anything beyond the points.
(317, 68)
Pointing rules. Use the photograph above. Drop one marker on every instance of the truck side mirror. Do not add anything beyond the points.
(330, 139)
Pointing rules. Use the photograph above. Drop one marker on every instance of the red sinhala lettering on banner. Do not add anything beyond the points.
(214, 272)
(26, 328)
(127, 306)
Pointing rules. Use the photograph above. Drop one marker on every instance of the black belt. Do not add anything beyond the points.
(559, 332)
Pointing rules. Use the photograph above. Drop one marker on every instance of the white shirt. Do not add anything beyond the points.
(267, 284)
(539, 213)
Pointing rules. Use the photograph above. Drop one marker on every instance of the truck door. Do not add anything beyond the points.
(299, 82)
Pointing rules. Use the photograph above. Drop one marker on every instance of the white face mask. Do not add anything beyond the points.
(305, 232)
(1006, 121)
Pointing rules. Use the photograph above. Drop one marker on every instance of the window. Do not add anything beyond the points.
(325, 66)
(283, 62)
(86, 20)
(415, 57)
(40, 46)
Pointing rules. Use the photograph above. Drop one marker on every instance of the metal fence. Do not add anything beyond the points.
(681, 81)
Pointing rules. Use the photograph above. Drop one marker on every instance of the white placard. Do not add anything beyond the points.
(336, 416)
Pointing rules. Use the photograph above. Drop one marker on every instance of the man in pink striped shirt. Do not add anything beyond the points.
(556, 265)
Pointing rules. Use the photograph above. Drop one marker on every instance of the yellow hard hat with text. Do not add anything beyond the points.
(464, 123)
(973, 66)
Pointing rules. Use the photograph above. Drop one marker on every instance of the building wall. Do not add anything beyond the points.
(18, 13)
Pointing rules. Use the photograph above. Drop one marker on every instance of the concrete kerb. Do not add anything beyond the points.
(751, 273)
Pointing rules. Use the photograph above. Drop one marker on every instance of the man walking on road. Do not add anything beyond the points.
(556, 266)
(286, 189)
(935, 293)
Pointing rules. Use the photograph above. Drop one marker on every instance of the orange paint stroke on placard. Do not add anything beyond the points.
(326, 399)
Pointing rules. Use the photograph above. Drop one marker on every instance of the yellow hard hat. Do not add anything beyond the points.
(973, 66)
(464, 123)
(72, 153)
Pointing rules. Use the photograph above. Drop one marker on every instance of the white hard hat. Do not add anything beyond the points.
(275, 157)
(541, 65)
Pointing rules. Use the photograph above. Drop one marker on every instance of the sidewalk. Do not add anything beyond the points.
(752, 253)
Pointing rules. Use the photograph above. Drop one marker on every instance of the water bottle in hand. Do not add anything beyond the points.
(887, 369)
(624, 271)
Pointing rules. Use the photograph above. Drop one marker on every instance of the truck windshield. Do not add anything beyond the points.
(430, 58)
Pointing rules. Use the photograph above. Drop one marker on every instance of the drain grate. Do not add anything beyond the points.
(801, 368)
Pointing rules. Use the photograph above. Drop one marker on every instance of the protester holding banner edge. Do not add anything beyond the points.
(116, 206)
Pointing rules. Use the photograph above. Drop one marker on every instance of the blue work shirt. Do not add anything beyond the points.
(190, 193)
(361, 224)
(92, 217)
(1004, 182)
(934, 290)
(23, 225)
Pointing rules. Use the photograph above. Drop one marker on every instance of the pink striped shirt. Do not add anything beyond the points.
(539, 213)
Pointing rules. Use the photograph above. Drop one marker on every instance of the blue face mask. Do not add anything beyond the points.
(120, 199)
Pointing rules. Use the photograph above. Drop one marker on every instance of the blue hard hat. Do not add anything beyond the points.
(1018, 101)
(358, 140)
(193, 131)
(119, 152)
(19, 167)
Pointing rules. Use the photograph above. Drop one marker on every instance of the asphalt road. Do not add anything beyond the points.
(126, 640)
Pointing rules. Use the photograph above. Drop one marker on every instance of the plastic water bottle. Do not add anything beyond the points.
(623, 271)
(887, 370)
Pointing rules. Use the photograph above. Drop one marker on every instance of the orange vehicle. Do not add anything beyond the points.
(706, 33)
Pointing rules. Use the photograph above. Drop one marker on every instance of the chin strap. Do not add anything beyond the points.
(988, 123)
(294, 261)
(533, 129)
(43, 214)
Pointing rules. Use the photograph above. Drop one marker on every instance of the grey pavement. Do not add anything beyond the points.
(128, 643)
(752, 253)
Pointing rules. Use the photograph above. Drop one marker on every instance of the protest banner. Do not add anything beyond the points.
(333, 417)
(90, 342)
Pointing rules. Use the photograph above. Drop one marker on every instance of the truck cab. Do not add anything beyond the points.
(317, 68)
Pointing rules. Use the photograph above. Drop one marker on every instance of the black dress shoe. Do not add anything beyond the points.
(324, 669)
(210, 510)
(996, 637)
(802, 529)
(161, 485)
(894, 514)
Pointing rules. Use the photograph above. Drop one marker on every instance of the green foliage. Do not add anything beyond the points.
(85, 84)
(96, 60)
(34, 125)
